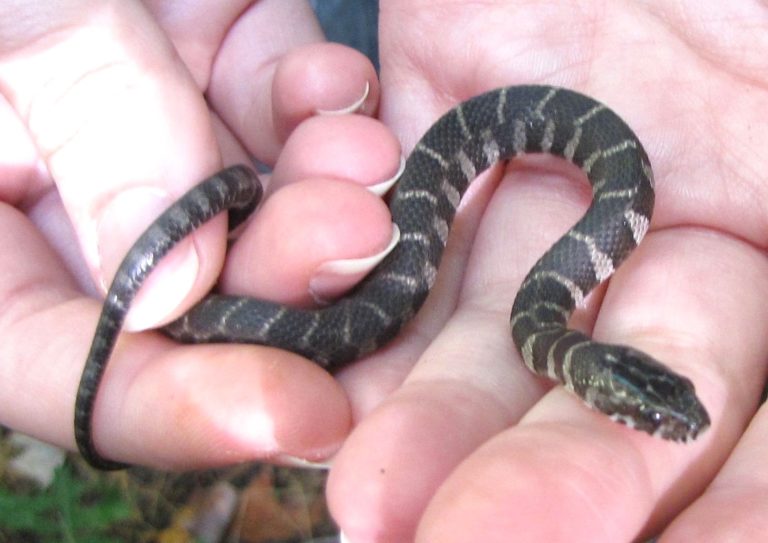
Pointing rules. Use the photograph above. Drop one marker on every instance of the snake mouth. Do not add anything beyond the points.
(679, 426)
(686, 428)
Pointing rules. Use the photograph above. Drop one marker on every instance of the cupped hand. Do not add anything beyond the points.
(457, 441)
(110, 112)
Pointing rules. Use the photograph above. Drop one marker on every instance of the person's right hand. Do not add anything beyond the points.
(110, 112)
(472, 446)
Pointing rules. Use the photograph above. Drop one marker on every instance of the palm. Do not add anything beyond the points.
(687, 82)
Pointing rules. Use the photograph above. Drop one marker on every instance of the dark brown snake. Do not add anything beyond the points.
(627, 385)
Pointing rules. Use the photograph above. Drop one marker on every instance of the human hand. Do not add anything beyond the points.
(111, 112)
(457, 441)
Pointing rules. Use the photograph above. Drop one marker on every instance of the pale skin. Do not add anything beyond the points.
(451, 439)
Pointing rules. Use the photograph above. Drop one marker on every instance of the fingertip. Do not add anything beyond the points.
(350, 147)
(332, 278)
(307, 81)
(270, 413)
(329, 220)
(358, 106)
(253, 403)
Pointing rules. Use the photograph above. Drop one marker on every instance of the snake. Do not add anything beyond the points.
(625, 384)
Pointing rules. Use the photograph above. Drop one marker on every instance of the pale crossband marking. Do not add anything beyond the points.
(270, 322)
(527, 350)
(572, 145)
(648, 172)
(307, 336)
(430, 273)
(370, 345)
(619, 148)
(451, 193)
(442, 229)
(416, 237)
(602, 264)
(531, 313)
(118, 303)
(549, 136)
(203, 203)
(466, 165)
(378, 311)
(573, 142)
(501, 106)
(597, 187)
(638, 224)
(607, 153)
(539, 109)
(551, 362)
(577, 295)
(346, 330)
(406, 280)
(420, 195)
(597, 108)
(616, 194)
(431, 153)
(233, 309)
(589, 162)
(490, 147)
(463, 122)
(519, 137)
(568, 361)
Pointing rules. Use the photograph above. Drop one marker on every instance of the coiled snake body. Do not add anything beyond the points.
(627, 385)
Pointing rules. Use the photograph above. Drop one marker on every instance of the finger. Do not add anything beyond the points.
(732, 508)
(107, 88)
(161, 405)
(321, 231)
(263, 100)
(614, 484)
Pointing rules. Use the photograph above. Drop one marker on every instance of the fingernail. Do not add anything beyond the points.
(303, 463)
(122, 221)
(333, 278)
(355, 107)
(343, 538)
(380, 189)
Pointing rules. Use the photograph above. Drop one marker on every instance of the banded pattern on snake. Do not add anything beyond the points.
(625, 384)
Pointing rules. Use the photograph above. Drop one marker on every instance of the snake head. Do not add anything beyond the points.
(637, 390)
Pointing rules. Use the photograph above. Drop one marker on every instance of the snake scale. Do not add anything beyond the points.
(627, 385)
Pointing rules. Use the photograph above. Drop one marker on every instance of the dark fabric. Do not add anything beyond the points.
(351, 22)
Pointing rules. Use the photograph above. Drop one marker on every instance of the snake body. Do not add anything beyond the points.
(627, 385)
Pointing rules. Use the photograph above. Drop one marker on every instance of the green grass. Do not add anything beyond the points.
(71, 510)
(83, 505)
